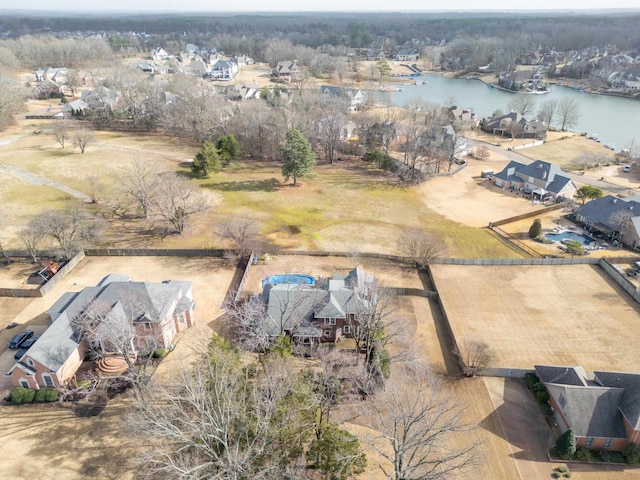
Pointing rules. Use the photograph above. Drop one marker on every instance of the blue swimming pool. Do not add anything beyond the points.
(289, 278)
(582, 239)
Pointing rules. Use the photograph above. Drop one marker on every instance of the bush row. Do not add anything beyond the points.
(27, 395)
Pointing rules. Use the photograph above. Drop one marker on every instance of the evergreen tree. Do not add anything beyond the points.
(299, 158)
(566, 444)
(536, 229)
(228, 149)
(206, 160)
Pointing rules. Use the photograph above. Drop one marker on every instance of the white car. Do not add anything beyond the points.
(627, 168)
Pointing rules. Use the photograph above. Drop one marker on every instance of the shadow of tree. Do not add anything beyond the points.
(268, 185)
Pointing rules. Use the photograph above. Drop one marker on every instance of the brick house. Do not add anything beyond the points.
(542, 179)
(158, 312)
(602, 408)
(316, 314)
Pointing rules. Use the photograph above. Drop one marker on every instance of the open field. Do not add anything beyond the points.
(568, 315)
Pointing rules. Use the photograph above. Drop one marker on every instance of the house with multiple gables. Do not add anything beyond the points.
(602, 408)
(523, 80)
(312, 314)
(542, 179)
(223, 70)
(357, 98)
(158, 312)
(286, 71)
(514, 125)
(614, 218)
(407, 54)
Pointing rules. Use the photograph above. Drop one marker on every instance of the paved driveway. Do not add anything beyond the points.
(524, 426)
(7, 361)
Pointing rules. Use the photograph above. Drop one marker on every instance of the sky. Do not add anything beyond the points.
(297, 6)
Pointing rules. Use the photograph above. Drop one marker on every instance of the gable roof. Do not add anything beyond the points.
(540, 170)
(601, 210)
(562, 375)
(630, 383)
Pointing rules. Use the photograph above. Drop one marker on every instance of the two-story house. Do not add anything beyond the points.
(157, 312)
(540, 179)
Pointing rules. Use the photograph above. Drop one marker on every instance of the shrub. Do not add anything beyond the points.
(555, 475)
(160, 353)
(566, 444)
(19, 395)
(536, 229)
(567, 475)
(46, 394)
(631, 454)
(584, 454)
(542, 396)
(562, 469)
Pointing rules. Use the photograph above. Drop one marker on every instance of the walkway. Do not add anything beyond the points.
(37, 180)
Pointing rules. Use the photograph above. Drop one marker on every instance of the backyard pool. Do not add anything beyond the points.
(581, 239)
(289, 278)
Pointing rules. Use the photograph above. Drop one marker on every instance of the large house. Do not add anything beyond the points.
(614, 218)
(542, 179)
(286, 71)
(523, 81)
(602, 408)
(158, 311)
(311, 314)
(514, 125)
(356, 98)
(224, 70)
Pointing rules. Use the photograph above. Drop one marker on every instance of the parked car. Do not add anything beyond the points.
(29, 342)
(627, 168)
(19, 353)
(20, 338)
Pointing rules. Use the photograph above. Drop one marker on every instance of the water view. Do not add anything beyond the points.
(615, 120)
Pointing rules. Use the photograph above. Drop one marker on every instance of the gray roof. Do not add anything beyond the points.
(562, 375)
(630, 383)
(594, 408)
(602, 209)
(551, 174)
(150, 302)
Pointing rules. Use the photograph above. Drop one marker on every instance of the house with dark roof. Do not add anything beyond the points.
(355, 97)
(286, 71)
(319, 313)
(514, 125)
(602, 408)
(541, 179)
(224, 70)
(157, 311)
(614, 218)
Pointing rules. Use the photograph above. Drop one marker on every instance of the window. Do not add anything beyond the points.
(30, 362)
(346, 329)
(306, 341)
(588, 442)
(48, 381)
(562, 400)
(24, 383)
(607, 443)
(329, 321)
(147, 326)
(327, 333)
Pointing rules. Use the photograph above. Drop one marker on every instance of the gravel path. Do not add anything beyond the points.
(34, 179)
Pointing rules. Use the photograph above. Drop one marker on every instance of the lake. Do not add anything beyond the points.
(615, 120)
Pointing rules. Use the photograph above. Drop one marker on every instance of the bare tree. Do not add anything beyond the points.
(474, 357)
(177, 199)
(482, 152)
(70, 228)
(11, 100)
(139, 182)
(222, 420)
(61, 132)
(522, 103)
(568, 112)
(547, 112)
(331, 125)
(242, 233)
(30, 235)
(420, 246)
(82, 138)
(421, 431)
(247, 322)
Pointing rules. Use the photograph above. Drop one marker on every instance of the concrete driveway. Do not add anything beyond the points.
(524, 426)
(7, 361)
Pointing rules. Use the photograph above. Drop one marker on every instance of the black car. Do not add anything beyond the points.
(19, 339)
(19, 353)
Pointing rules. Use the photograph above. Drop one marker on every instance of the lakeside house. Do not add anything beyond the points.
(541, 179)
(614, 218)
(602, 408)
(514, 125)
(158, 311)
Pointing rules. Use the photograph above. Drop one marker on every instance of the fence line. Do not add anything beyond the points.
(514, 242)
(523, 216)
(247, 269)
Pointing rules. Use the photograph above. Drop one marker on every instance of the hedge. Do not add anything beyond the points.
(27, 395)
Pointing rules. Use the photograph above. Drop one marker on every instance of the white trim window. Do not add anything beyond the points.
(30, 362)
(346, 329)
(327, 333)
(48, 381)
(607, 443)
(24, 383)
(329, 321)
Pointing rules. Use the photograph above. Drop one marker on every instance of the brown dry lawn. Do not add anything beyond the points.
(568, 315)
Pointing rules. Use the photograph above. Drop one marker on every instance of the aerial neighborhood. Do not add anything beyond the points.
(319, 246)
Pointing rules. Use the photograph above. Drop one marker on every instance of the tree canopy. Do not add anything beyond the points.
(588, 192)
(206, 160)
(298, 156)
